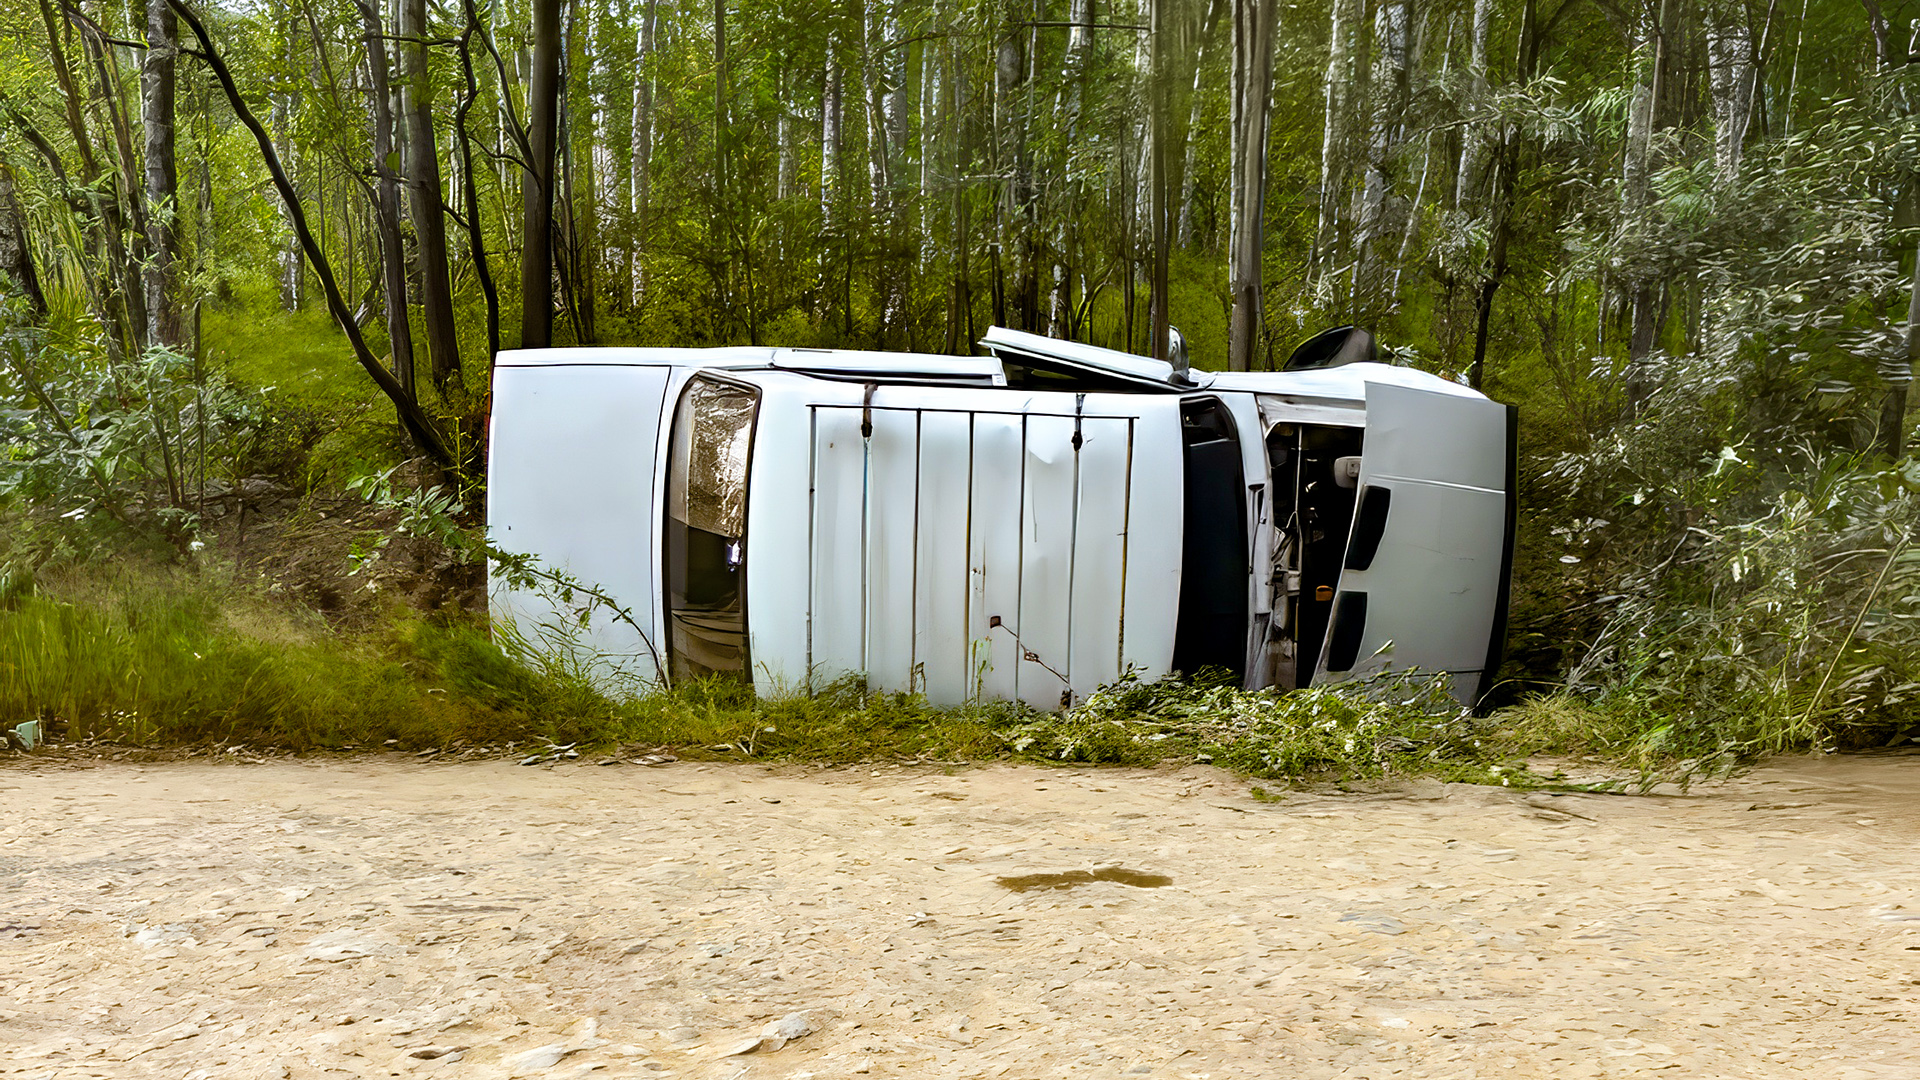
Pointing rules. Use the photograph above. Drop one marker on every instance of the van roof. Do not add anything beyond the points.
(1345, 384)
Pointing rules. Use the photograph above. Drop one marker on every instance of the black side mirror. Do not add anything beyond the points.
(1332, 348)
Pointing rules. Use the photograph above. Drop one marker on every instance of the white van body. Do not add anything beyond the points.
(958, 527)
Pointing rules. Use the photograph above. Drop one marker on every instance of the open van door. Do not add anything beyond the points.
(1425, 578)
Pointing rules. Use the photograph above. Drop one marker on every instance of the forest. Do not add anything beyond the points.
(257, 258)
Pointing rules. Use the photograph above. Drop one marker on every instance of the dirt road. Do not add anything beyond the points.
(388, 918)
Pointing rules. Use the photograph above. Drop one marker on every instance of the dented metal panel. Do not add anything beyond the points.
(999, 458)
(1046, 562)
(1104, 491)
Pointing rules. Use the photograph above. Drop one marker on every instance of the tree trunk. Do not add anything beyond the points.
(1500, 209)
(129, 187)
(1893, 407)
(1470, 176)
(386, 163)
(1163, 146)
(424, 198)
(1020, 305)
(1643, 119)
(16, 251)
(476, 236)
(536, 249)
(1189, 161)
(583, 204)
(831, 112)
(1391, 87)
(163, 203)
(1251, 112)
(1334, 138)
(1730, 67)
(643, 144)
(292, 276)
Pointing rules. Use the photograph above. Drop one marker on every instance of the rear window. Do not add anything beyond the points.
(706, 529)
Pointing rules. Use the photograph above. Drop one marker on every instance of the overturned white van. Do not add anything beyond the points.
(1027, 525)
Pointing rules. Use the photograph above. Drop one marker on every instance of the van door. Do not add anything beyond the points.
(1429, 553)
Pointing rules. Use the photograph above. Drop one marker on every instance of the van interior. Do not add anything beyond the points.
(1314, 469)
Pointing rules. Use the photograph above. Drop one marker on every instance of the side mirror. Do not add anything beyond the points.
(1333, 348)
(1177, 356)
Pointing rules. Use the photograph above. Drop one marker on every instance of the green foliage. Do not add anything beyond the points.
(95, 450)
(1407, 725)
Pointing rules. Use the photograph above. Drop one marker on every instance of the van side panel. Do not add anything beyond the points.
(993, 560)
(893, 496)
(570, 481)
(1156, 493)
(1100, 548)
(838, 597)
(779, 504)
(941, 632)
(1046, 562)
(980, 554)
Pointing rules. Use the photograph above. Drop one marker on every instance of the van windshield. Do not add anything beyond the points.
(706, 542)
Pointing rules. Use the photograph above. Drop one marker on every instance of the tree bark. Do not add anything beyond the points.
(536, 249)
(130, 188)
(1391, 87)
(105, 230)
(1196, 104)
(1162, 151)
(1469, 177)
(16, 250)
(643, 144)
(1730, 68)
(164, 325)
(1506, 173)
(1643, 120)
(476, 236)
(386, 163)
(1251, 111)
(1020, 305)
(1334, 138)
(831, 113)
(425, 199)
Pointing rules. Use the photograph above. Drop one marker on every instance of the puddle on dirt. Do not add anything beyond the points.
(1070, 878)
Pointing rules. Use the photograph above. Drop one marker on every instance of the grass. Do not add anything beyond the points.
(157, 656)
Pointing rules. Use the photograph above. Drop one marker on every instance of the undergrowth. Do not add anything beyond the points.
(176, 657)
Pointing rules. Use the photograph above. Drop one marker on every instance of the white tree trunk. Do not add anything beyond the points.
(1471, 175)
(1392, 29)
(641, 180)
(1250, 107)
(1730, 69)
(1333, 145)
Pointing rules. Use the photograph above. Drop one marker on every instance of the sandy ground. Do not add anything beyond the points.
(391, 918)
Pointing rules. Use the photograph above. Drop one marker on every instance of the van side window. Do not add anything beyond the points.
(706, 541)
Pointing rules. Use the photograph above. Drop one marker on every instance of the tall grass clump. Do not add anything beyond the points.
(168, 656)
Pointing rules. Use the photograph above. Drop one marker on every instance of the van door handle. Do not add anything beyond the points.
(1369, 525)
(1349, 626)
